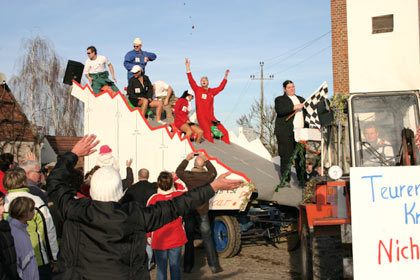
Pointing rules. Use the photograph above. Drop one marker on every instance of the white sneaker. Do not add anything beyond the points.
(161, 122)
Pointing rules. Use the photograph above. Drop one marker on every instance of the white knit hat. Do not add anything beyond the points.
(137, 41)
(106, 185)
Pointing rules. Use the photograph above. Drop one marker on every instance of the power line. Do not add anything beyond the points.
(294, 51)
(304, 60)
(299, 48)
(271, 77)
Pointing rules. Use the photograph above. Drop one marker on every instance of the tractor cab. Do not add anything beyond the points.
(382, 128)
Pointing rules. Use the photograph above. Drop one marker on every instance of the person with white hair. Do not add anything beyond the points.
(102, 238)
(137, 57)
(41, 228)
(33, 178)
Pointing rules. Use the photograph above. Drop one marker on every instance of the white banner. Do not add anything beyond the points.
(385, 209)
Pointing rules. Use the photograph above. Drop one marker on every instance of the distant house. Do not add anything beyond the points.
(55, 146)
(16, 133)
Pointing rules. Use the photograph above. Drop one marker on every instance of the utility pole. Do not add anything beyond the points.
(271, 77)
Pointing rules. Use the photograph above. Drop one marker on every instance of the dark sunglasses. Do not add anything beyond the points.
(89, 53)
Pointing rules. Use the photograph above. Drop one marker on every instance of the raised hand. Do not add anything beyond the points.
(30, 156)
(85, 146)
(190, 156)
(187, 65)
(222, 183)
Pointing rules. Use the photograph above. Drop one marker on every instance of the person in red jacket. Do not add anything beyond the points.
(167, 241)
(6, 163)
(182, 122)
(204, 104)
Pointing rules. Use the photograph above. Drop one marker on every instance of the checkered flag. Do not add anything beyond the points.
(310, 105)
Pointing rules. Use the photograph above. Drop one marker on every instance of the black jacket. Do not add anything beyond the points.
(8, 268)
(135, 89)
(129, 179)
(284, 108)
(107, 240)
(140, 192)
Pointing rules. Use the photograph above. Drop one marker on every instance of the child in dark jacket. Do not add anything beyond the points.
(8, 268)
(22, 210)
(167, 241)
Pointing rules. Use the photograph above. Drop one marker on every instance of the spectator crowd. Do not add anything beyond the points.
(57, 223)
(60, 222)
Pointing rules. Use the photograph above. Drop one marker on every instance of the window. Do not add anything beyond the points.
(382, 24)
(377, 122)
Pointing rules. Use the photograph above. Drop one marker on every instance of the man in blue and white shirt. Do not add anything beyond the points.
(137, 57)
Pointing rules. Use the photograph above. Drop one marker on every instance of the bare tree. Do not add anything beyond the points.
(244, 121)
(38, 87)
(253, 120)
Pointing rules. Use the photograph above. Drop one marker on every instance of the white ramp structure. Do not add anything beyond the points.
(154, 147)
(255, 146)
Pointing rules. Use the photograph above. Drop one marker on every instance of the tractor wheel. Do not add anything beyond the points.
(293, 241)
(327, 257)
(306, 252)
(227, 236)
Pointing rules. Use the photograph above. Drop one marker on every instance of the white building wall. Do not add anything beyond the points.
(384, 61)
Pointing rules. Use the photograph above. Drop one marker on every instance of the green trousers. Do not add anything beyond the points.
(101, 79)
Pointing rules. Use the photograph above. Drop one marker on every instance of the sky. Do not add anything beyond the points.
(291, 37)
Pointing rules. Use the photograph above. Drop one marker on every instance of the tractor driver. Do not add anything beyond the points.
(376, 151)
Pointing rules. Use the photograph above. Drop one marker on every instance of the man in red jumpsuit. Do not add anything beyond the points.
(204, 101)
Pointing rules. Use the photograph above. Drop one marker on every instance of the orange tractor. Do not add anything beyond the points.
(379, 131)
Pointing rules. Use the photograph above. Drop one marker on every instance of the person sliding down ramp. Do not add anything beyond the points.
(204, 103)
(95, 72)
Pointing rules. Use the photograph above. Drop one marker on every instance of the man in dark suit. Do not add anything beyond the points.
(140, 191)
(285, 106)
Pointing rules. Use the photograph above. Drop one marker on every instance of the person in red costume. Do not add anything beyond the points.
(182, 122)
(204, 102)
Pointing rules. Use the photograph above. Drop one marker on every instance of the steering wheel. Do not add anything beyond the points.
(408, 155)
